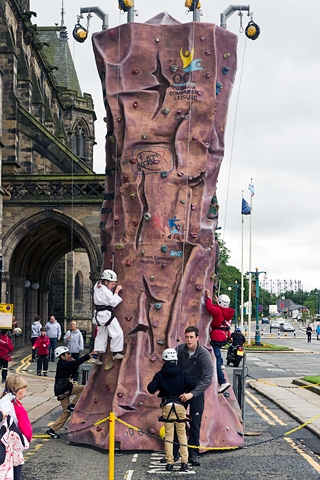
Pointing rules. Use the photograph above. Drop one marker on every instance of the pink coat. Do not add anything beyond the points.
(6, 347)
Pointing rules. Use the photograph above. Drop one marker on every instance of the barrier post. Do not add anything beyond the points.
(111, 445)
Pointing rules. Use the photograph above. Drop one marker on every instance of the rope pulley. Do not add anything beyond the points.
(80, 33)
(192, 5)
(125, 5)
(252, 31)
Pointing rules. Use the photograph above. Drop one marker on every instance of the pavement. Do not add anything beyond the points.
(292, 395)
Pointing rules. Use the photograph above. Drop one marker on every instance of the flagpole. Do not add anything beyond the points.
(242, 286)
(250, 252)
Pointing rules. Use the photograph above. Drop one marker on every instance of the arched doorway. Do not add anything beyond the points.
(35, 250)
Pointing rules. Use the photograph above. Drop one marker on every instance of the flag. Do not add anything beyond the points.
(251, 188)
(245, 209)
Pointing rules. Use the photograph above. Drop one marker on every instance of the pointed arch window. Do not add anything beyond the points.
(78, 286)
(78, 141)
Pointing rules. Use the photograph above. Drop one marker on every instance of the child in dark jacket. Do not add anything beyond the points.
(172, 382)
(42, 344)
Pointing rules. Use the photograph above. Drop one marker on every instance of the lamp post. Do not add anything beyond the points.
(236, 287)
(255, 294)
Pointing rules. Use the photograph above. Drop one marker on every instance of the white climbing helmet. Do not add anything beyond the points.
(169, 354)
(60, 351)
(109, 275)
(223, 301)
(17, 331)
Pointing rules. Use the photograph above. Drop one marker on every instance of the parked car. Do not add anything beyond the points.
(287, 327)
(265, 320)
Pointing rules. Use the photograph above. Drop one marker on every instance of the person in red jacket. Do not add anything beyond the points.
(220, 331)
(42, 344)
(6, 348)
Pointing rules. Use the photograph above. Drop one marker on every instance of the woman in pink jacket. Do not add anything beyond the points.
(6, 348)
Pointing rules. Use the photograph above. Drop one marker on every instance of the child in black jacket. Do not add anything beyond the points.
(172, 382)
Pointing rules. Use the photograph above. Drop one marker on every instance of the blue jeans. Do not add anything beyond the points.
(53, 346)
(217, 353)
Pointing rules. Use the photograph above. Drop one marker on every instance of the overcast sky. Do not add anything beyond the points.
(273, 130)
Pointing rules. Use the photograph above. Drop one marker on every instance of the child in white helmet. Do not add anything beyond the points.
(106, 298)
(220, 331)
(172, 382)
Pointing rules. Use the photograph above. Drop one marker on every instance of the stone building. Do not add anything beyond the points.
(50, 198)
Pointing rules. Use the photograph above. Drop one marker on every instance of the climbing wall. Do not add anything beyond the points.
(166, 88)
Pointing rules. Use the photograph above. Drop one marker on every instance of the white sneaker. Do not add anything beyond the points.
(224, 387)
(118, 356)
(96, 361)
(223, 367)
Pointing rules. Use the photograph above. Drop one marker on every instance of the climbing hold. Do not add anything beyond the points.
(152, 278)
(182, 200)
(208, 52)
(125, 178)
(199, 93)
(165, 111)
(152, 431)
(82, 421)
(198, 288)
(132, 195)
(157, 40)
(208, 74)
(160, 341)
(119, 120)
(174, 68)
(225, 70)
(164, 174)
(178, 112)
(128, 263)
(194, 138)
(193, 207)
(135, 104)
(128, 319)
(135, 223)
(164, 248)
(155, 324)
(108, 366)
(202, 38)
(132, 160)
(144, 137)
(163, 266)
(116, 221)
(98, 429)
(142, 252)
(119, 394)
(135, 71)
(180, 174)
(153, 358)
(226, 55)
(120, 246)
(158, 306)
(95, 401)
(140, 404)
(218, 87)
(193, 235)
(147, 216)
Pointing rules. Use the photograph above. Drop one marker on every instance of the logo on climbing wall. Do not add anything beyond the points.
(152, 159)
(174, 226)
(189, 65)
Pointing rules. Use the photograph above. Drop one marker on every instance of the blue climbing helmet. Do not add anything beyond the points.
(238, 329)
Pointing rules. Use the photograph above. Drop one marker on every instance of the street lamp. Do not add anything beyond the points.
(236, 287)
(255, 294)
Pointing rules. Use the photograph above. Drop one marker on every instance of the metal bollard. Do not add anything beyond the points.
(239, 377)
